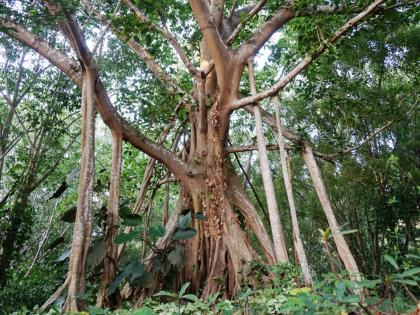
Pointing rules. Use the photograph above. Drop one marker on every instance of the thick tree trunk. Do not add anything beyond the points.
(341, 244)
(287, 174)
(111, 257)
(273, 211)
(83, 223)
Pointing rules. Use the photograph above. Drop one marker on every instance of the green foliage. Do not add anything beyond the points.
(157, 230)
(127, 237)
(331, 295)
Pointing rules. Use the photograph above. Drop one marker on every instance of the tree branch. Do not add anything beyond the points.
(214, 41)
(263, 33)
(103, 103)
(171, 39)
(348, 150)
(252, 147)
(304, 63)
(241, 24)
(338, 9)
(142, 53)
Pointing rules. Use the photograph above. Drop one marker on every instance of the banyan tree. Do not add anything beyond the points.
(211, 82)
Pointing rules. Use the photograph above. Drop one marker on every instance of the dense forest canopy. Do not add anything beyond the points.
(222, 155)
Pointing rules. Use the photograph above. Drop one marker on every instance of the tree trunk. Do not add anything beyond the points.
(273, 211)
(83, 223)
(342, 247)
(287, 177)
(111, 257)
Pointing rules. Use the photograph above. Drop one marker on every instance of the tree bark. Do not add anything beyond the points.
(287, 174)
(341, 244)
(111, 257)
(273, 211)
(83, 223)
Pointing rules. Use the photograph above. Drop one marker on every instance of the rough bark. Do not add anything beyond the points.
(83, 222)
(111, 257)
(340, 242)
(287, 174)
(273, 211)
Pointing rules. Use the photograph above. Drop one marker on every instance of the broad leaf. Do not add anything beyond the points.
(371, 284)
(406, 281)
(96, 253)
(184, 220)
(391, 260)
(132, 220)
(126, 237)
(191, 297)
(115, 284)
(340, 289)
(349, 231)
(146, 280)
(183, 289)
(410, 272)
(200, 216)
(124, 211)
(157, 230)
(181, 235)
(176, 256)
(134, 270)
(165, 293)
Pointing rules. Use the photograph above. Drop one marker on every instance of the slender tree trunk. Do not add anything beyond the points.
(342, 247)
(287, 174)
(247, 167)
(111, 257)
(44, 238)
(273, 211)
(83, 223)
(166, 200)
(329, 255)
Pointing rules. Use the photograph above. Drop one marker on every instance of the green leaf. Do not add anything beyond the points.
(391, 261)
(126, 237)
(125, 211)
(349, 231)
(410, 272)
(296, 291)
(116, 283)
(176, 256)
(371, 284)
(406, 281)
(183, 289)
(181, 235)
(165, 293)
(134, 270)
(96, 253)
(144, 311)
(132, 220)
(340, 289)
(191, 297)
(157, 230)
(184, 220)
(200, 216)
(146, 280)
(350, 299)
